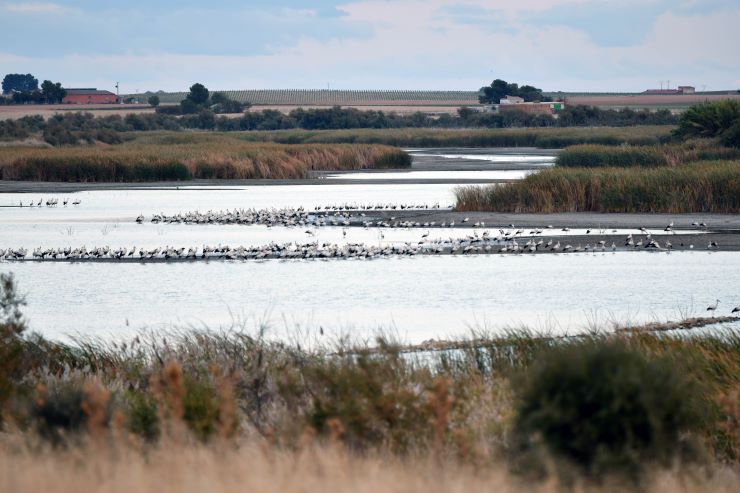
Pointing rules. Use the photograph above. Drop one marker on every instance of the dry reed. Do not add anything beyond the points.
(206, 157)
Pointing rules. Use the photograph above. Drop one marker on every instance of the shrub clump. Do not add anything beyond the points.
(604, 409)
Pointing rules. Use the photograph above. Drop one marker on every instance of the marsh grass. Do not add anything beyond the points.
(693, 187)
(205, 156)
(504, 137)
(596, 156)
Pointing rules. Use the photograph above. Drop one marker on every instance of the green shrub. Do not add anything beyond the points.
(372, 398)
(12, 326)
(604, 409)
(141, 414)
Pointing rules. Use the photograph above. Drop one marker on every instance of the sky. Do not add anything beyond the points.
(568, 45)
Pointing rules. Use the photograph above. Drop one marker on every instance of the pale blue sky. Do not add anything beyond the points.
(599, 45)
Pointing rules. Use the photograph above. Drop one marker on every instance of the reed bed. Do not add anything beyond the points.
(595, 156)
(694, 187)
(504, 137)
(203, 157)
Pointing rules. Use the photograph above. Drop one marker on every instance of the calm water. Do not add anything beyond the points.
(421, 298)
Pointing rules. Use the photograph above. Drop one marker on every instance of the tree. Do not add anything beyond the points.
(51, 92)
(20, 83)
(153, 100)
(500, 88)
(198, 94)
(710, 120)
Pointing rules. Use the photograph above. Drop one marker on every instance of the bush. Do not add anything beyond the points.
(603, 410)
(12, 326)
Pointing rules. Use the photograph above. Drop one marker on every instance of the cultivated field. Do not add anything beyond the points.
(47, 110)
(647, 101)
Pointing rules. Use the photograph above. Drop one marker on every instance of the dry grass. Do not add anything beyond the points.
(188, 156)
(501, 137)
(313, 468)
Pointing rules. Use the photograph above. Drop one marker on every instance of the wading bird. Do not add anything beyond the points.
(712, 308)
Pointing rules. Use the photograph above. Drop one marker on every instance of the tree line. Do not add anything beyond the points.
(24, 88)
(73, 128)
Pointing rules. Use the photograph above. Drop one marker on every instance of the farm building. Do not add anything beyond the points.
(89, 96)
(667, 92)
(515, 103)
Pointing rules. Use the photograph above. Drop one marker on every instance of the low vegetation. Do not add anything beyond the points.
(207, 157)
(597, 409)
(712, 186)
(595, 156)
(84, 128)
(510, 137)
(719, 120)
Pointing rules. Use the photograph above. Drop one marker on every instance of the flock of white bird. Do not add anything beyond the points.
(52, 202)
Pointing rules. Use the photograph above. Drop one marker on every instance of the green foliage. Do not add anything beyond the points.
(605, 409)
(500, 88)
(20, 83)
(52, 93)
(198, 94)
(220, 103)
(12, 326)
(201, 407)
(372, 398)
(153, 100)
(142, 417)
(711, 120)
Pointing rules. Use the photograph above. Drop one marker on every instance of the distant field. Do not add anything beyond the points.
(48, 110)
(325, 97)
(645, 101)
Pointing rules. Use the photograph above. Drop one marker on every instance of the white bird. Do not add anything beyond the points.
(712, 308)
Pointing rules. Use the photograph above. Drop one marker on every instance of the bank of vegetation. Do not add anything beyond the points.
(84, 128)
(209, 157)
(597, 156)
(549, 138)
(588, 409)
(698, 170)
(712, 186)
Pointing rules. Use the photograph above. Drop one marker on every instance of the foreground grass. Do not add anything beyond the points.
(179, 157)
(694, 187)
(310, 469)
(507, 137)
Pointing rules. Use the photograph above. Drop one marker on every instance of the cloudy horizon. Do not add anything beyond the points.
(569, 45)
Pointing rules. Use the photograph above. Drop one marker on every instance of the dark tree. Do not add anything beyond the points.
(20, 83)
(198, 94)
(153, 100)
(500, 88)
(51, 92)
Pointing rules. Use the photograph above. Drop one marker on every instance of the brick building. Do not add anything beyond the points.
(89, 96)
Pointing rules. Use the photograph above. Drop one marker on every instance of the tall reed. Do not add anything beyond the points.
(697, 187)
(216, 157)
(595, 156)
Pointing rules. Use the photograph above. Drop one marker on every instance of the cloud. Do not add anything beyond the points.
(404, 44)
(34, 8)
